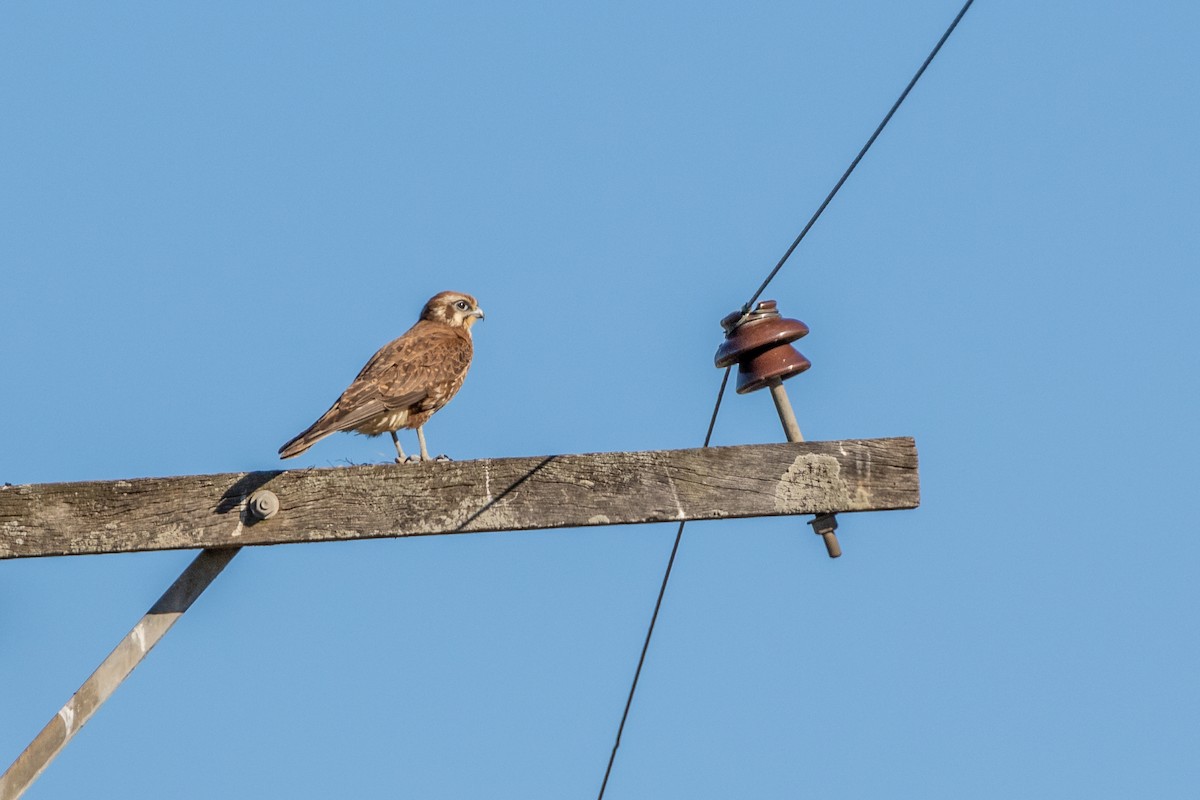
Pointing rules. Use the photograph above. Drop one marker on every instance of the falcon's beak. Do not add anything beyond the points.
(477, 313)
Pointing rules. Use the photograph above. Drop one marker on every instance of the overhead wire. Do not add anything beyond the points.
(662, 590)
(712, 422)
(878, 130)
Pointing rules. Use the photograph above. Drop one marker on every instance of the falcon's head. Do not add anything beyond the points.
(453, 308)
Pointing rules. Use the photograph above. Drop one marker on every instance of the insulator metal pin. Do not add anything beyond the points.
(760, 343)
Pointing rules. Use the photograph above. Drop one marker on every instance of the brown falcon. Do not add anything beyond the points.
(407, 381)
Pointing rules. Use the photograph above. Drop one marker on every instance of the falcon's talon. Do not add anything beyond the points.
(407, 381)
(413, 460)
(443, 457)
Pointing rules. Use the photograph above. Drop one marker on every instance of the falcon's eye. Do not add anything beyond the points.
(461, 305)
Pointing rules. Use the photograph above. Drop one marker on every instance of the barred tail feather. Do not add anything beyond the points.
(305, 440)
(310, 435)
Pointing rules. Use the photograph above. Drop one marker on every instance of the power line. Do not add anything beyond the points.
(662, 590)
(887, 118)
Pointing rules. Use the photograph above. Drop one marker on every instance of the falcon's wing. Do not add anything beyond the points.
(405, 371)
(400, 375)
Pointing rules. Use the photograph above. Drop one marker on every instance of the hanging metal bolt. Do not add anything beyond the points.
(263, 504)
(760, 343)
(824, 526)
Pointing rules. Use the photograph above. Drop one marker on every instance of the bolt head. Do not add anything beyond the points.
(263, 504)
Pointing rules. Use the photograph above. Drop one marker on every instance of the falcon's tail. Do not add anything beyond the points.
(347, 416)
(305, 439)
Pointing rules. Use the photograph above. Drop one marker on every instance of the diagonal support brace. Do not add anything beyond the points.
(113, 671)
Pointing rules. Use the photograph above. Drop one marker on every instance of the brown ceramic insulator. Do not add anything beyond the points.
(760, 328)
(758, 369)
(760, 344)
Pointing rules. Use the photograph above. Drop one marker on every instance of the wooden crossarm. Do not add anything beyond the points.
(504, 494)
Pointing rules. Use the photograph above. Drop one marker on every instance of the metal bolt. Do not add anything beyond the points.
(824, 526)
(263, 504)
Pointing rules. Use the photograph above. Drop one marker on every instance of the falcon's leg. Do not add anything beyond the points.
(400, 457)
(425, 450)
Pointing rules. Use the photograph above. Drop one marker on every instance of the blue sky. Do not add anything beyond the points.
(212, 214)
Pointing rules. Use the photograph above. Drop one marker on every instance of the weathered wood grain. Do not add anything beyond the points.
(209, 511)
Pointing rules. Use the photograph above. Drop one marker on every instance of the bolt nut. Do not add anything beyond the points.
(824, 526)
(263, 504)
